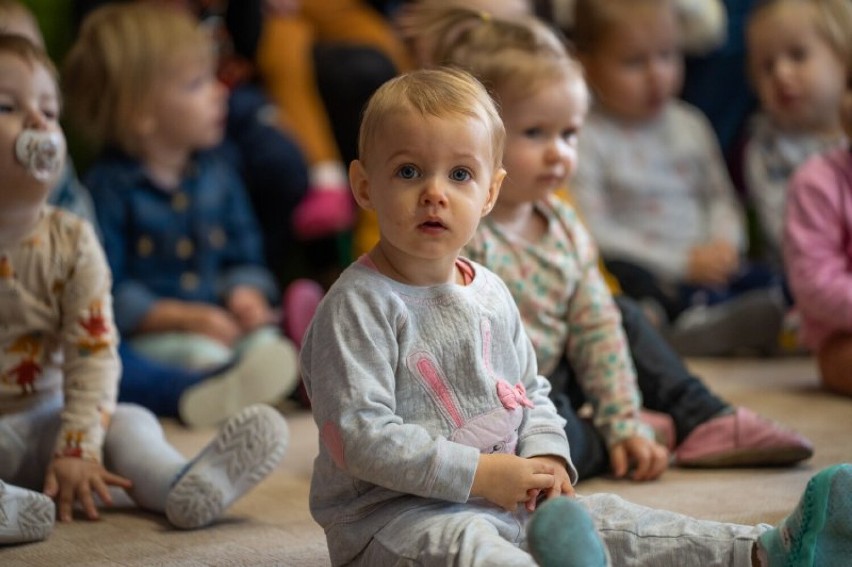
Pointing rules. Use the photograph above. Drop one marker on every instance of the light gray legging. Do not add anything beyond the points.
(634, 535)
(135, 448)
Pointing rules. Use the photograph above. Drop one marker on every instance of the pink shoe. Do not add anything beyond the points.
(324, 212)
(664, 427)
(299, 304)
(739, 439)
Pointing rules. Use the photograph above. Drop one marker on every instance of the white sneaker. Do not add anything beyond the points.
(25, 515)
(247, 448)
(265, 373)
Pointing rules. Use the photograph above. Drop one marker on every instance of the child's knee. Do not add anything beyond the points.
(835, 362)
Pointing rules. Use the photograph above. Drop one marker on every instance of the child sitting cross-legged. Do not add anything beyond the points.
(437, 440)
(62, 435)
(190, 284)
(655, 192)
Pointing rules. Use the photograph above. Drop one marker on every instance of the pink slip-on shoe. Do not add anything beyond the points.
(742, 438)
(324, 212)
(663, 425)
(299, 304)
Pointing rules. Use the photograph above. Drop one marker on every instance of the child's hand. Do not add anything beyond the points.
(561, 481)
(507, 480)
(212, 321)
(713, 263)
(74, 480)
(250, 308)
(646, 458)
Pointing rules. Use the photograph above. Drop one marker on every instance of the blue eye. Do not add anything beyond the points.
(460, 174)
(408, 172)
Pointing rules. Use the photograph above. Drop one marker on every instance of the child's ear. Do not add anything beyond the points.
(494, 190)
(360, 185)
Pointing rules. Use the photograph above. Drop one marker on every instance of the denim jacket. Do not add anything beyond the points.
(194, 243)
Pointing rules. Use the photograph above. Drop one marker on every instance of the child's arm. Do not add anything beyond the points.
(90, 383)
(165, 315)
(596, 345)
(816, 241)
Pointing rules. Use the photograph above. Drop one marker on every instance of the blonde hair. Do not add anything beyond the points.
(112, 69)
(518, 54)
(833, 22)
(432, 92)
(29, 52)
(594, 19)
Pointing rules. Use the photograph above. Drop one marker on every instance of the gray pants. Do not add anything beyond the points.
(634, 535)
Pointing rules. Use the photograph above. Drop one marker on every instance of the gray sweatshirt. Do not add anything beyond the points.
(408, 385)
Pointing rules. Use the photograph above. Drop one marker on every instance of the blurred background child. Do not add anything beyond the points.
(583, 340)
(190, 285)
(436, 437)
(654, 189)
(817, 249)
(60, 427)
(796, 51)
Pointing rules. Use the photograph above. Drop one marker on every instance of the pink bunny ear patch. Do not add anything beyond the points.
(513, 397)
(333, 441)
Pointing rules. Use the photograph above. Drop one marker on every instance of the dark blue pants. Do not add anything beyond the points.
(666, 385)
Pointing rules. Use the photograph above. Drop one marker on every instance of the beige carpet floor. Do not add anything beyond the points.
(272, 525)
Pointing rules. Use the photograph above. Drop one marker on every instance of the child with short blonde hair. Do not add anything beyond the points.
(191, 288)
(437, 439)
(796, 52)
(60, 425)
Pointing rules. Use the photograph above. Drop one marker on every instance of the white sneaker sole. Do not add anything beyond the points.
(264, 374)
(247, 448)
(24, 515)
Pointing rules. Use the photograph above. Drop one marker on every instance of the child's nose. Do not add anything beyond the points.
(35, 119)
(557, 150)
(433, 193)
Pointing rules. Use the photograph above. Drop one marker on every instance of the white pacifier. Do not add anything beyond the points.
(41, 153)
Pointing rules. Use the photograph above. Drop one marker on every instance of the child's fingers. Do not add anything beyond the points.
(542, 481)
(102, 490)
(66, 504)
(532, 499)
(51, 485)
(618, 460)
(642, 462)
(84, 496)
(116, 480)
